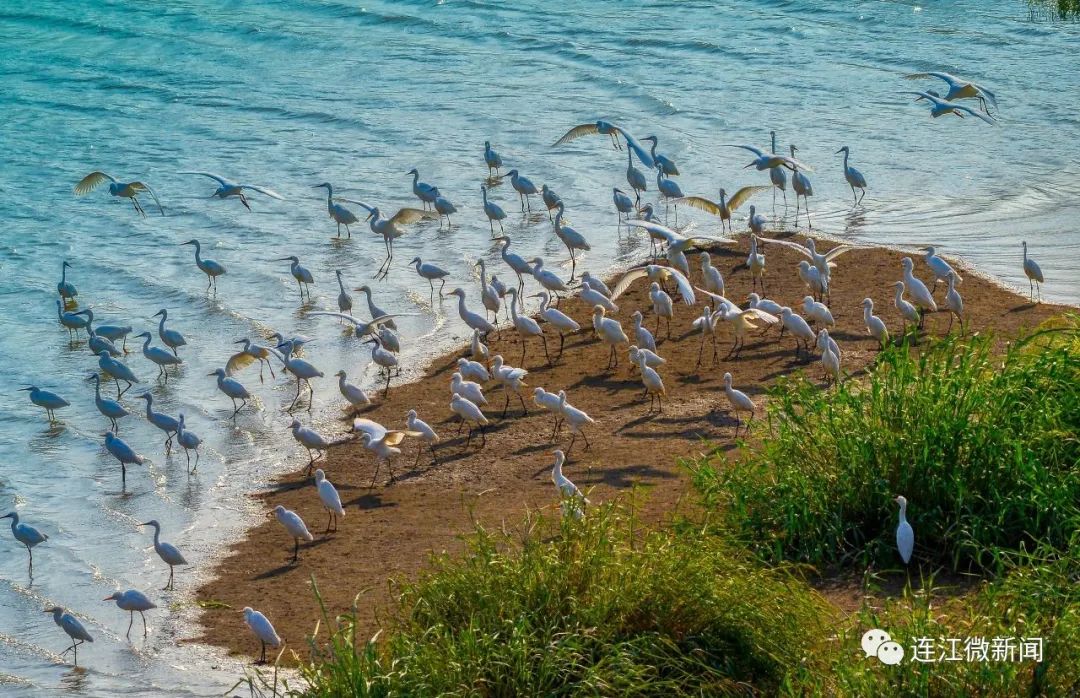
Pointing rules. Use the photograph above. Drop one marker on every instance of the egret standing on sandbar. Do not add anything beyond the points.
(207, 266)
(939, 266)
(954, 303)
(610, 332)
(740, 402)
(330, 499)
(316, 444)
(425, 432)
(556, 318)
(473, 370)
(511, 379)
(916, 288)
(471, 390)
(654, 386)
(905, 535)
(261, 627)
(854, 178)
(1034, 274)
(875, 326)
(526, 326)
(123, 453)
(341, 215)
(228, 188)
(295, 527)
(233, 388)
(47, 399)
(353, 393)
(168, 552)
(128, 190)
(74, 629)
(132, 600)
(576, 419)
(382, 442)
(25, 534)
(470, 414)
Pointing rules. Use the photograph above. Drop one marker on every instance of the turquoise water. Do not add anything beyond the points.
(290, 94)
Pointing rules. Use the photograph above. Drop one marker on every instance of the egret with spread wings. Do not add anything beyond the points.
(382, 442)
(959, 88)
(227, 188)
(941, 107)
(677, 244)
(128, 190)
(656, 274)
(390, 228)
(606, 128)
(725, 207)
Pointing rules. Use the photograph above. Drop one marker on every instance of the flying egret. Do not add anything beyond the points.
(610, 332)
(488, 295)
(666, 164)
(713, 279)
(294, 526)
(591, 297)
(908, 312)
(755, 262)
(1034, 274)
(330, 499)
(207, 266)
(132, 600)
(425, 432)
(25, 534)
(511, 379)
(573, 501)
(188, 441)
(635, 177)
(954, 303)
(623, 203)
(65, 288)
(669, 189)
(515, 261)
(756, 221)
(123, 453)
(341, 215)
(939, 266)
(233, 388)
(162, 421)
(822, 262)
(830, 355)
(429, 271)
(390, 228)
(766, 161)
(443, 206)
(70, 321)
(227, 188)
(160, 357)
(118, 371)
(113, 333)
(168, 552)
(422, 190)
(547, 278)
(777, 176)
(384, 359)
(550, 198)
(576, 419)
(595, 283)
(375, 311)
(470, 414)
(959, 88)
(676, 243)
(316, 444)
(477, 349)
(360, 329)
(740, 402)
(941, 107)
(818, 312)
(353, 393)
(875, 326)
(47, 399)
(799, 329)
(854, 178)
(492, 210)
(301, 274)
(110, 408)
(916, 288)
(642, 336)
(741, 320)
(562, 322)
(549, 402)
(614, 131)
(473, 370)
(74, 629)
(905, 535)
(493, 160)
(801, 185)
(98, 344)
(467, 389)
(654, 386)
(474, 320)
(344, 300)
(523, 186)
(659, 275)
(382, 442)
(258, 624)
(570, 237)
(129, 190)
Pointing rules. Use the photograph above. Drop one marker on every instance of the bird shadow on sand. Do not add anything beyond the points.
(1023, 307)
(289, 565)
(624, 476)
(369, 501)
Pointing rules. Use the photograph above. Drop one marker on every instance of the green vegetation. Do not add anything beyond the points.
(1058, 9)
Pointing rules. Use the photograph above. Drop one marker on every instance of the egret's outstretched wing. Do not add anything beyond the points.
(367, 426)
(655, 229)
(740, 197)
(263, 190)
(220, 180)
(788, 243)
(393, 438)
(974, 112)
(142, 186)
(627, 279)
(751, 148)
(354, 201)
(238, 362)
(411, 215)
(837, 251)
(577, 132)
(701, 204)
(91, 182)
(767, 318)
(698, 239)
(642, 153)
(717, 298)
(686, 289)
(382, 319)
(792, 163)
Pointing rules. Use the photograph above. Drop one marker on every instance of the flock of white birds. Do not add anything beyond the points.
(669, 284)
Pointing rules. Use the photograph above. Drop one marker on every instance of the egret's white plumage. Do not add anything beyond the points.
(74, 629)
(123, 453)
(315, 443)
(233, 388)
(340, 215)
(330, 499)
(740, 402)
(168, 552)
(573, 501)
(25, 534)
(875, 326)
(132, 600)
(905, 535)
(354, 394)
(610, 332)
(854, 178)
(227, 188)
(47, 399)
(207, 266)
(294, 526)
(127, 190)
(258, 624)
(188, 441)
(1033, 272)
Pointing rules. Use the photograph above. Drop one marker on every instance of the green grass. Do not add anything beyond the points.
(1057, 9)
(984, 445)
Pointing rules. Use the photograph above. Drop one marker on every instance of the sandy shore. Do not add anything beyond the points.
(389, 531)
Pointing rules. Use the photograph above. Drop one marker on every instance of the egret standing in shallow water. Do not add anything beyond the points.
(725, 207)
(188, 441)
(353, 393)
(295, 526)
(390, 228)
(523, 186)
(571, 238)
(669, 189)
(854, 178)
(341, 215)
(117, 370)
(132, 600)
(74, 629)
(162, 421)
(233, 388)
(128, 190)
(301, 274)
(905, 535)
(635, 177)
(800, 184)
(1034, 274)
(493, 159)
(49, 400)
(429, 271)
(25, 534)
(207, 266)
(663, 162)
(65, 288)
(228, 188)
(330, 499)
(777, 176)
(123, 453)
(443, 206)
(161, 357)
(110, 408)
(493, 211)
(168, 552)
(261, 627)
(70, 321)
(423, 191)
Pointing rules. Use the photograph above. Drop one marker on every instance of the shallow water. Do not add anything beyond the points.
(290, 94)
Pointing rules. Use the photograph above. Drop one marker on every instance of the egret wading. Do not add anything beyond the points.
(74, 629)
(422, 190)
(524, 187)
(207, 266)
(573, 240)
(65, 288)
(168, 552)
(340, 215)
(854, 178)
(1034, 274)
(27, 535)
(72, 322)
(492, 159)
(390, 228)
(301, 274)
(117, 370)
(160, 357)
(131, 601)
(801, 185)
(47, 399)
(123, 453)
(778, 176)
(382, 442)
(111, 409)
(188, 441)
(724, 208)
(232, 388)
(494, 212)
(740, 402)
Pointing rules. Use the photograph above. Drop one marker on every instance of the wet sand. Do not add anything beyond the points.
(390, 531)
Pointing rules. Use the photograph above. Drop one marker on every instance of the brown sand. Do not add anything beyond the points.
(389, 531)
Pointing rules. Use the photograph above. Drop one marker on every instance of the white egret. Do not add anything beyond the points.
(110, 408)
(550, 198)
(854, 178)
(642, 336)
(959, 88)
(98, 344)
(113, 333)
(574, 501)
(818, 312)
(300, 273)
(360, 328)
(227, 188)
(822, 262)
(549, 402)
(573, 240)
(756, 221)
(777, 175)
(467, 389)
(425, 433)
(132, 600)
(422, 190)
(162, 421)
(474, 320)
(382, 442)
(477, 349)
(799, 329)
(764, 304)
(65, 288)
(429, 271)
(576, 419)
(515, 261)
(118, 371)
(635, 177)
(511, 379)
(375, 311)
(127, 190)
(488, 295)
(939, 266)
(654, 386)
(918, 290)
(662, 307)
(595, 283)
(353, 393)
(755, 262)
(666, 164)
(677, 244)
(160, 357)
(610, 332)
(47, 399)
(669, 189)
(547, 278)
(562, 322)
(316, 444)
(725, 207)
(591, 297)
(908, 312)
(294, 526)
(942, 107)
(713, 279)
(767, 161)
(813, 279)
(443, 206)
(707, 324)
(740, 320)
(623, 203)
(473, 370)
(523, 186)
(25, 534)
(384, 359)
(168, 552)
(470, 414)
(303, 370)
(258, 624)
(493, 159)
(801, 185)
(492, 210)
(330, 499)
(740, 402)
(233, 388)
(207, 266)
(905, 535)
(652, 359)
(189, 441)
(875, 326)
(658, 275)
(341, 215)
(954, 303)
(830, 355)
(1034, 274)
(70, 321)
(390, 228)
(344, 300)
(614, 131)
(123, 453)
(74, 629)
